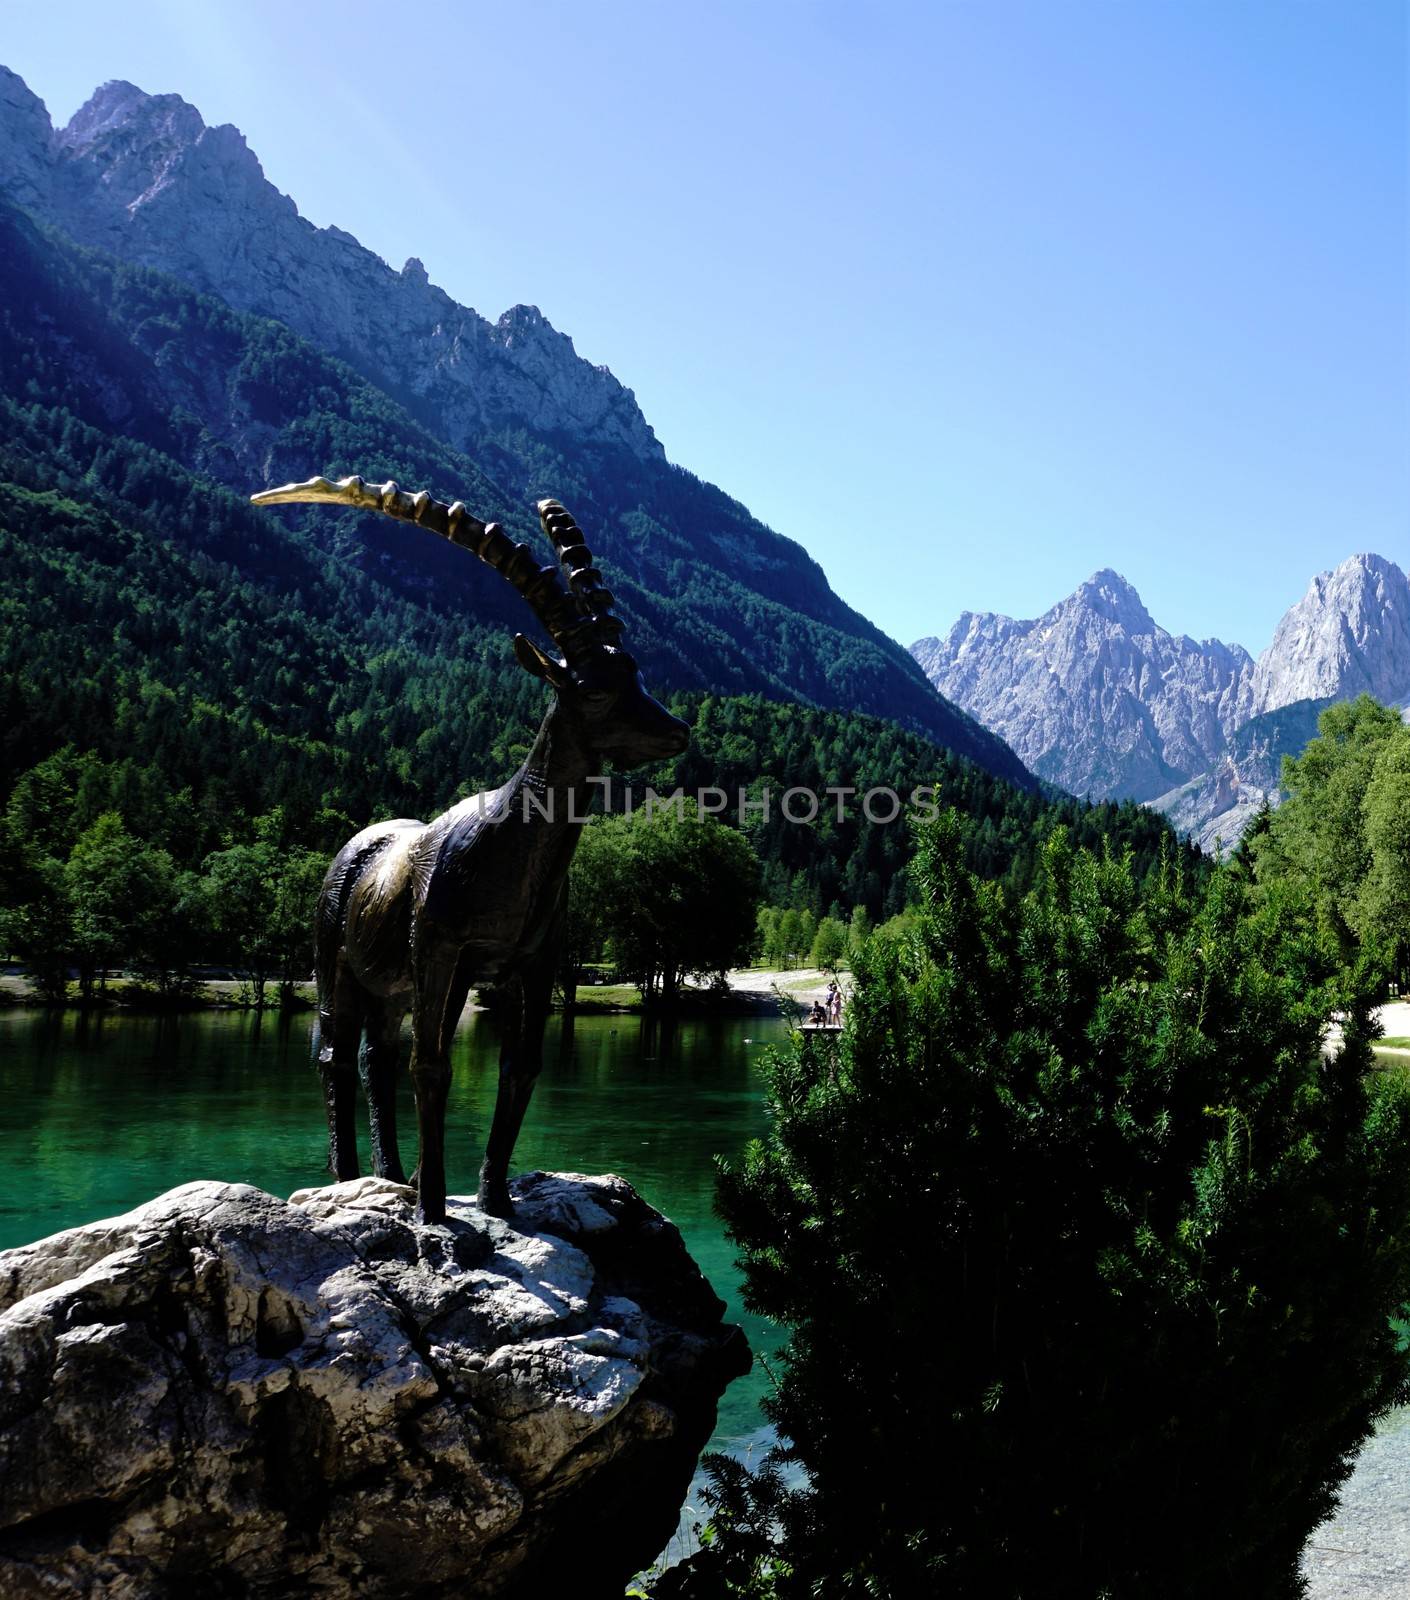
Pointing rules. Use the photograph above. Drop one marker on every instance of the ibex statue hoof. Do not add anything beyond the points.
(412, 915)
(495, 1202)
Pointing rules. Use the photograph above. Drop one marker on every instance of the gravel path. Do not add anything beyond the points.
(1363, 1552)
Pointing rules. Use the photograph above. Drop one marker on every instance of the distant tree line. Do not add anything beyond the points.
(81, 895)
(662, 898)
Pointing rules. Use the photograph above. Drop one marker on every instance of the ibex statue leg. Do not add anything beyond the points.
(378, 1067)
(521, 1057)
(440, 997)
(339, 1028)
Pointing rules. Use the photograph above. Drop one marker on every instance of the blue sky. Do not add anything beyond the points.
(971, 298)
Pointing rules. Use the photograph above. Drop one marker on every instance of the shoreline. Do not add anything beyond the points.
(752, 991)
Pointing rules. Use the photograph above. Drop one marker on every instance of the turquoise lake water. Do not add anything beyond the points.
(98, 1114)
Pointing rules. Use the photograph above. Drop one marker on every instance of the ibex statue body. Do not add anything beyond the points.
(412, 915)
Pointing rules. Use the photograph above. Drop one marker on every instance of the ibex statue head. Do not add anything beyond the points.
(413, 914)
(596, 679)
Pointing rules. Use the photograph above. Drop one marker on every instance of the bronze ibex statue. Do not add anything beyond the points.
(413, 914)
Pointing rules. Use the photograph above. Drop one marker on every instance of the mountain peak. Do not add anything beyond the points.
(143, 176)
(1093, 695)
(1109, 594)
(15, 93)
(1350, 632)
(524, 319)
(117, 105)
(1367, 564)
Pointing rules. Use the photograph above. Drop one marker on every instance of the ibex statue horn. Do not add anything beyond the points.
(560, 612)
(412, 915)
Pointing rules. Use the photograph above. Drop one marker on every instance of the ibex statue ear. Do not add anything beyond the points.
(534, 660)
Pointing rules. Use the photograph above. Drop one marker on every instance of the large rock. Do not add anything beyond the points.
(229, 1394)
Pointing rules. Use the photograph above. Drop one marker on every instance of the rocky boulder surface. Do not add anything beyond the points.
(227, 1394)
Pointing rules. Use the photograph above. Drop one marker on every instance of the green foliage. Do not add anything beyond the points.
(753, 745)
(667, 895)
(904, 925)
(1382, 908)
(785, 936)
(35, 916)
(829, 944)
(1089, 1255)
(740, 1553)
(859, 931)
(118, 893)
(766, 947)
(174, 657)
(91, 895)
(1342, 838)
(259, 900)
(796, 931)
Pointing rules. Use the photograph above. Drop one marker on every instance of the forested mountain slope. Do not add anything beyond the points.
(212, 673)
(715, 599)
(170, 653)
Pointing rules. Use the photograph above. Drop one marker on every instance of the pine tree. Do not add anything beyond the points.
(1088, 1253)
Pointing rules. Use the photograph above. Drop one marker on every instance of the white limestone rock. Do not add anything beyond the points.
(27, 152)
(1215, 809)
(1093, 695)
(1348, 635)
(1097, 698)
(318, 1396)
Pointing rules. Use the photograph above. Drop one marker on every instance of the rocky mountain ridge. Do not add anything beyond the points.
(143, 176)
(1095, 696)
(1348, 635)
(715, 600)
